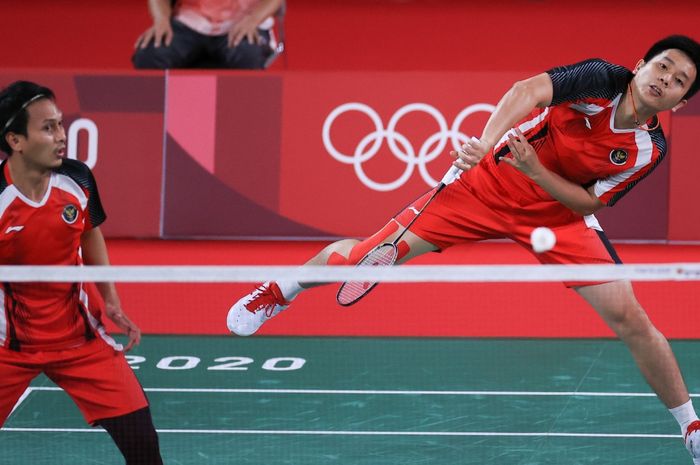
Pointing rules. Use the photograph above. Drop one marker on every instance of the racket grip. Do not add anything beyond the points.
(454, 172)
(451, 175)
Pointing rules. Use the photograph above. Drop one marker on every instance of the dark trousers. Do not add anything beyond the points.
(190, 49)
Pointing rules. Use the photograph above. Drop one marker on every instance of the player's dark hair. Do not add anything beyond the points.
(686, 45)
(14, 100)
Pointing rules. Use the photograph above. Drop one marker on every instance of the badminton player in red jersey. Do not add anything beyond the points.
(559, 146)
(50, 213)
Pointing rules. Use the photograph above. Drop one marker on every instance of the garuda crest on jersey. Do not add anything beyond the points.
(70, 214)
(618, 156)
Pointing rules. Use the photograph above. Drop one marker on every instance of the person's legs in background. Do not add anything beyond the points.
(243, 56)
(186, 48)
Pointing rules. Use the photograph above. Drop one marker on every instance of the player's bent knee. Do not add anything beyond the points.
(360, 249)
(631, 321)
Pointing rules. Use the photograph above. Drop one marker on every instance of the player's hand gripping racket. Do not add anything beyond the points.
(385, 254)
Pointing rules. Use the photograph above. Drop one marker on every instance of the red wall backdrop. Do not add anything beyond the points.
(391, 36)
(238, 155)
(521, 37)
(380, 35)
(684, 218)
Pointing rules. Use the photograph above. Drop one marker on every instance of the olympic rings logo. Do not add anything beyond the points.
(399, 145)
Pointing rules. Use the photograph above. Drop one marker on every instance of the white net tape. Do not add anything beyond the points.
(408, 273)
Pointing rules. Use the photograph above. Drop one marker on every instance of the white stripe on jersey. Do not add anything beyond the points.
(526, 126)
(587, 108)
(7, 197)
(3, 318)
(65, 183)
(645, 149)
(57, 180)
(96, 325)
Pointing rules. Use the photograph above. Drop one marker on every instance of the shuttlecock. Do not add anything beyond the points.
(542, 239)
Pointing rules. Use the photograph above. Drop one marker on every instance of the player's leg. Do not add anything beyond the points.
(455, 215)
(351, 251)
(135, 436)
(99, 380)
(616, 303)
(270, 298)
(254, 309)
(582, 242)
(17, 369)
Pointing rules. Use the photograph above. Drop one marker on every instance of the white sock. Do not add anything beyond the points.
(290, 289)
(684, 415)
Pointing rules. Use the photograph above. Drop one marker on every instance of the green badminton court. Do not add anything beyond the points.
(378, 401)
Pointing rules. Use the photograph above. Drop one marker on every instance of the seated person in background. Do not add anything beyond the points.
(207, 34)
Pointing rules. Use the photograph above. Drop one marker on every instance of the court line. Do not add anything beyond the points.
(367, 433)
(362, 433)
(21, 399)
(569, 401)
(389, 392)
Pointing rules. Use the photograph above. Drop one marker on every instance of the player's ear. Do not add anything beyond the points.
(679, 105)
(13, 141)
(639, 64)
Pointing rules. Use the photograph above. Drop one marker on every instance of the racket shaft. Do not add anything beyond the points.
(413, 220)
(450, 176)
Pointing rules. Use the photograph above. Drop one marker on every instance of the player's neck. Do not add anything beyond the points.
(631, 114)
(32, 183)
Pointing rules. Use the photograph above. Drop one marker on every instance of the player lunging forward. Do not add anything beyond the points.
(559, 146)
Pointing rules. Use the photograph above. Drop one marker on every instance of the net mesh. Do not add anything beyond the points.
(329, 274)
(475, 300)
(431, 341)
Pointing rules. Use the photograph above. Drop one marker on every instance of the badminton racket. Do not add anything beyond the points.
(385, 254)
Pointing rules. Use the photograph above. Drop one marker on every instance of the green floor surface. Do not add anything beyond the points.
(309, 401)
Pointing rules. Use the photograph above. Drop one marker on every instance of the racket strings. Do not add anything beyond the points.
(351, 291)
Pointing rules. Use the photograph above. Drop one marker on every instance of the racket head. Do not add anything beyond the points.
(352, 291)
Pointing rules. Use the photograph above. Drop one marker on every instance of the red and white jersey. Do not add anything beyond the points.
(214, 17)
(48, 316)
(576, 138)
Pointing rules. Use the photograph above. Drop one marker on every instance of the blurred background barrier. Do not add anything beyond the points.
(192, 154)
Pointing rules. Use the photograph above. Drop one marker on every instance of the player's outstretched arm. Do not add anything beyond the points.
(516, 104)
(523, 97)
(95, 253)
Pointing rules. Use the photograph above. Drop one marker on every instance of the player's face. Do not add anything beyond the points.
(45, 144)
(662, 82)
